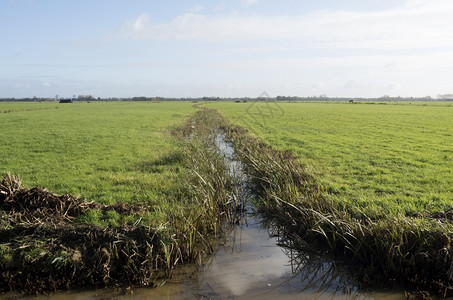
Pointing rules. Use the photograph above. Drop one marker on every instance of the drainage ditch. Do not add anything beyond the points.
(251, 261)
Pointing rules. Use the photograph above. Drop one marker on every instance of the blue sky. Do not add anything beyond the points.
(119, 48)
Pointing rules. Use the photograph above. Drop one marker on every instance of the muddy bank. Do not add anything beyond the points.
(42, 250)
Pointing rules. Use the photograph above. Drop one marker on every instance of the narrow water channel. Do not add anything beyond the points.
(249, 264)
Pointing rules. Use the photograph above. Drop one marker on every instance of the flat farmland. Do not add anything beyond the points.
(106, 152)
(385, 158)
(369, 182)
(108, 193)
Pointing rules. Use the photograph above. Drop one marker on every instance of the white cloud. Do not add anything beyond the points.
(46, 84)
(416, 24)
(140, 22)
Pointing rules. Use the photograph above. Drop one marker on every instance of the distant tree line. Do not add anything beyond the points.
(90, 98)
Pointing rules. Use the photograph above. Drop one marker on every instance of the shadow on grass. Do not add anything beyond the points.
(172, 160)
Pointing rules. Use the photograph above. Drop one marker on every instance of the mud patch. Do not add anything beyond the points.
(446, 215)
(19, 205)
(42, 249)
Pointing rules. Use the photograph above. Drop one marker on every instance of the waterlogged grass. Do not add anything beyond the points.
(387, 159)
(105, 152)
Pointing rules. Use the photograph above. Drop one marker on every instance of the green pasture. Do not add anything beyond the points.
(389, 158)
(386, 158)
(361, 178)
(106, 152)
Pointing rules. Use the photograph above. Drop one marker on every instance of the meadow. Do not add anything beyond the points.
(388, 158)
(372, 182)
(105, 152)
(391, 158)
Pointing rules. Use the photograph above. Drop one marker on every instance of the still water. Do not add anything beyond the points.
(249, 263)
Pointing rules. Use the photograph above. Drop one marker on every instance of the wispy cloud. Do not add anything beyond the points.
(140, 22)
(196, 9)
(249, 2)
(220, 7)
(416, 24)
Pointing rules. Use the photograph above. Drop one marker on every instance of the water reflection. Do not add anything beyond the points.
(251, 263)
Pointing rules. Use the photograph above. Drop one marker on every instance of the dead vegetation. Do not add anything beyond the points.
(444, 216)
(42, 250)
(39, 259)
(36, 206)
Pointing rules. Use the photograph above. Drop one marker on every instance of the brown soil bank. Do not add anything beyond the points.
(41, 250)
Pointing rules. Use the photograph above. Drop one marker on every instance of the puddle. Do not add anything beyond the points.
(249, 263)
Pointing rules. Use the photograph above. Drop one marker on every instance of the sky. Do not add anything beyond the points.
(236, 48)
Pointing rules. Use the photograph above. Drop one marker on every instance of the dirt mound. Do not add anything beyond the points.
(444, 216)
(42, 249)
(39, 259)
(37, 205)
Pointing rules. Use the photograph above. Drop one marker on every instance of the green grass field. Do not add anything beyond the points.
(385, 158)
(106, 152)
(388, 158)
(360, 178)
